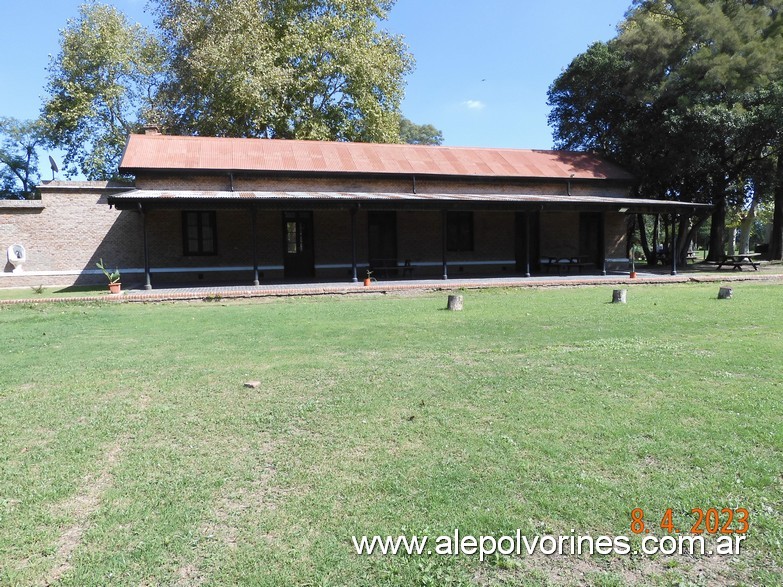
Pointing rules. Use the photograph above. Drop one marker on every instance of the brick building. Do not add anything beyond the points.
(253, 210)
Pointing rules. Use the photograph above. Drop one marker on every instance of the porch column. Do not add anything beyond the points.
(355, 278)
(602, 242)
(444, 227)
(527, 244)
(254, 214)
(147, 280)
(673, 249)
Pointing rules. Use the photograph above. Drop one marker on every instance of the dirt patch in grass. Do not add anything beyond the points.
(81, 507)
(189, 576)
(714, 570)
(233, 506)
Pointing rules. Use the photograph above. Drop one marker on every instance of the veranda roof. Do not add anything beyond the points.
(377, 200)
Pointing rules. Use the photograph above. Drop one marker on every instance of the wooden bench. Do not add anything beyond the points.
(384, 267)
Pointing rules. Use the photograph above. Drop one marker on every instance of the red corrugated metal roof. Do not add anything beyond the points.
(165, 152)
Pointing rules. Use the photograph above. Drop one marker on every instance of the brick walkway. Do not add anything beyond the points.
(340, 288)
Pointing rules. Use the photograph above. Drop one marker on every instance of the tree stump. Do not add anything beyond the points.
(619, 296)
(455, 303)
(724, 293)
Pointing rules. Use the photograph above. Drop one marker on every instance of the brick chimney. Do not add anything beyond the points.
(151, 129)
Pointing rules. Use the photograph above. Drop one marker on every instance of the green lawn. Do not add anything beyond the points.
(131, 453)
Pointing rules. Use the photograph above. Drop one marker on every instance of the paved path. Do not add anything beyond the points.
(341, 288)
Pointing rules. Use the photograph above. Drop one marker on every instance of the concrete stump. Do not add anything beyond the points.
(724, 293)
(455, 303)
(619, 296)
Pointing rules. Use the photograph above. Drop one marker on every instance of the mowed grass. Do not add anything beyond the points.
(131, 453)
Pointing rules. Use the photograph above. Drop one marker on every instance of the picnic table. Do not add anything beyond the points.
(737, 261)
(564, 264)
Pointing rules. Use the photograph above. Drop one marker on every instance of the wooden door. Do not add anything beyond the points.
(298, 253)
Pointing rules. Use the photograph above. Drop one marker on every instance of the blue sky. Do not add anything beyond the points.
(482, 68)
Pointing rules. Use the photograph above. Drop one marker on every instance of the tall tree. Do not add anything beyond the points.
(308, 69)
(675, 97)
(590, 102)
(776, 238)
(774, 117)
(18, 158)
(703, 62)
(102, 86)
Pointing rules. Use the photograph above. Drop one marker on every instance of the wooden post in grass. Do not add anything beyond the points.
(619, 296)
(455, 303)
(724, 293)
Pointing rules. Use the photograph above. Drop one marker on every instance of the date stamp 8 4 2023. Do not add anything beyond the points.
(709, 521)
(728, 526)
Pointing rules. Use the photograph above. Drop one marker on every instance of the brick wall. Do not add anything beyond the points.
(72, 227)
(616, 232)
(65, 233)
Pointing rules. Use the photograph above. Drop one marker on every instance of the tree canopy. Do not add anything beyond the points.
(315, 69)
(419, 134)
(102, 86)
(19, 140)
(686, 96)
(305, 69)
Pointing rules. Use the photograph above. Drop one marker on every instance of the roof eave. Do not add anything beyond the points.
(161, 171)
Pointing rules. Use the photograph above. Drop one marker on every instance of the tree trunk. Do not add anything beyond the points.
(718, 229)
(695, 227)
(653, 259)
(683, 239)
(776, 238)
(643, 235)
(667, 238)
(731, 244)
(746, 224)
(619, 296)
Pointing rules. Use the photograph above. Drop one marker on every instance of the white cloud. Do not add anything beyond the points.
(474, 104)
